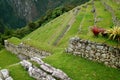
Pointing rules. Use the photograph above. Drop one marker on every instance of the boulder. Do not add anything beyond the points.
(5, 73)
(48, 68)
(26, 64)
(38, 60)
(60, 75)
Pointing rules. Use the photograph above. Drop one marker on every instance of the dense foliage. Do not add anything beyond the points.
(114, 33)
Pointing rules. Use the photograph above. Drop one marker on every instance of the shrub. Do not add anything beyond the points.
(32, 26)
(114, 33)
(96, 30)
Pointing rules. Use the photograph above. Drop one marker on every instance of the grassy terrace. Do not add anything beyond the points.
(115, 6)
(76, 67)
(14, 40)
(10, 61)
(49, 32)
(104, 16)
(105, 22)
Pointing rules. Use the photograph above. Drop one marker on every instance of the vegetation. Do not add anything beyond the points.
(7, 58)
(14, 40)
(46, 34)
(114, 33)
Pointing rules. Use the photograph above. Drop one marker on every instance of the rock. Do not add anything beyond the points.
(50, 77)
(5, 73)
(48, 68)
(100, 47)
(103, 56)
(60, 75)
(88, 48)
(9, 78)
(1, 78)
(36, 73)
(97, 54)
(26, 64)
(1, 75)
(38, 60)
(106, 63)
(69, 50)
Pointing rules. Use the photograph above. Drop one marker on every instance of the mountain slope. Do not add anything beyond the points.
(17, 13)
(79, 21)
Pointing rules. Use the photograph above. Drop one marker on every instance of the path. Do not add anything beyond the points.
(13, 65)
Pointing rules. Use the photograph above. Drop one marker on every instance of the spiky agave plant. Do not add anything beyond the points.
(114, 33)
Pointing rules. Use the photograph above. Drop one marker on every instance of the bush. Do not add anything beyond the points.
(96, 30)
(114, 33)
(32, 26)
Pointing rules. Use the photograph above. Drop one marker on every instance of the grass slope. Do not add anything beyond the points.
(77, 68)
(10, 61)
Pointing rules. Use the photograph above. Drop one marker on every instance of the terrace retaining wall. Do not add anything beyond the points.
(24, 51)
(108, 55)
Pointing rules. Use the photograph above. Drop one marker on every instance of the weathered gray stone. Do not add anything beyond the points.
(48, 68)
(103, 56)
(100, 47)
(1, 78)
(106, 63)
(38, 60)
(88, 48)
(25, 50)
(5, 73)
(98, 54)
(60, 75)
(69, 50)
(26, 64)
(1, 75)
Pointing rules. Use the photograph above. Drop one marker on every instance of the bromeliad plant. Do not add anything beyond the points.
(114, 33)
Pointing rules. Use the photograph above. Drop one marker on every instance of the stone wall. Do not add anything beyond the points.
(44, 71)
(24, 51)
(108, 55)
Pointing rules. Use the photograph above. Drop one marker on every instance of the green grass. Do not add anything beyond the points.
(19, 73)
(7, 58)
(104, 16)
(81, 69)
(49, 32)
(14, 40)
(114, 6)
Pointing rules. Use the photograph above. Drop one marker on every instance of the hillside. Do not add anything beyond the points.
(54, 37)
(17, 14)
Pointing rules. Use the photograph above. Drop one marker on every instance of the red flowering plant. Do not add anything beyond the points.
(96, 30)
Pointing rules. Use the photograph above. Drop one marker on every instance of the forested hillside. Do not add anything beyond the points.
(17, 13)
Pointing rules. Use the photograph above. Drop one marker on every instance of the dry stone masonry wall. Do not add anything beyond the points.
(108, 55)
(44, 72)
(4, 75)
(24, 51)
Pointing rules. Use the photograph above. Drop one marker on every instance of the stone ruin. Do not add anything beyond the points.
(102, 53)
(44, 72)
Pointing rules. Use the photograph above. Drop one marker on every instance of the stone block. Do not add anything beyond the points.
(5, 73)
